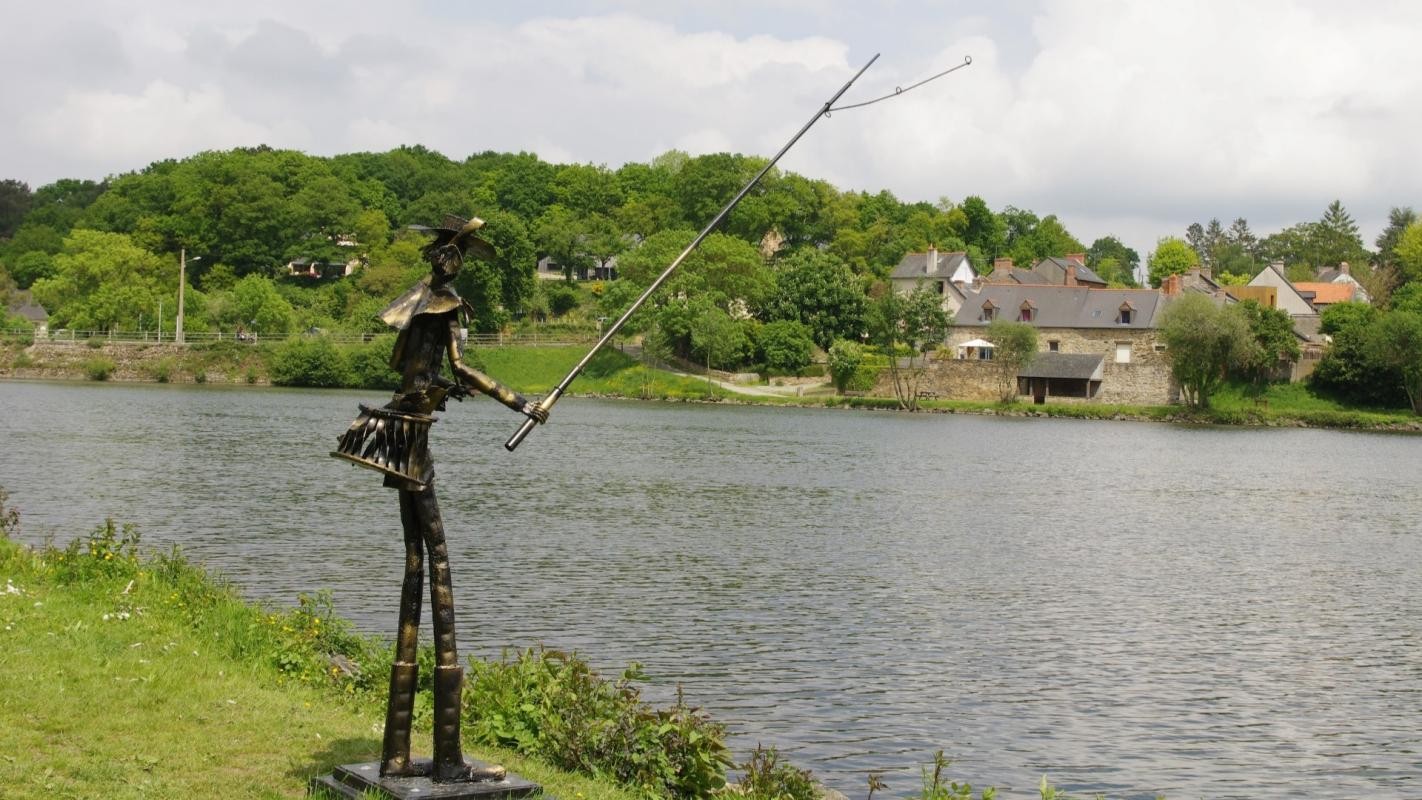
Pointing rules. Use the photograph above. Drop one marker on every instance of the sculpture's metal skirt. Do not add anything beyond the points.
(393, 443)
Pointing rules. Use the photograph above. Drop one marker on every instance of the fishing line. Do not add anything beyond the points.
(898, 90)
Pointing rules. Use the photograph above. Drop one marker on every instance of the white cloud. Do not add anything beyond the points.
(163, 121)
(1102, 111)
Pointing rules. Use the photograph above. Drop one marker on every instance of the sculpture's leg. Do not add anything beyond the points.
(395, 753)
(449, 762)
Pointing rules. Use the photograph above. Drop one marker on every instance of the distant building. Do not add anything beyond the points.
(1068, 270)
(321, 270)
(549, 270)
(30, 311)
(946, 274)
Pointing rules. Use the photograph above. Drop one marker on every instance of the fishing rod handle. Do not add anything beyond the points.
(530, 423)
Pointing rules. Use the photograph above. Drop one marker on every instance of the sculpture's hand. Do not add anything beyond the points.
(534, 411)
(459, 391)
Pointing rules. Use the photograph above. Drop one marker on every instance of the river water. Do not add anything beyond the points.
(1128, 608)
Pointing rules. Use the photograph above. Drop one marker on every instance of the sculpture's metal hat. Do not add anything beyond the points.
(459, 232)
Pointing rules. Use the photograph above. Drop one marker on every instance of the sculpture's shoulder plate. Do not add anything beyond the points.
(420, 299)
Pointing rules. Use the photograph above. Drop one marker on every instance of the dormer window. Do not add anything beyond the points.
(1027, 312)
(989, 311)
(1125, 314)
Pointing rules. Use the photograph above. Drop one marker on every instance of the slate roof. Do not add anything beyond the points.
(1081, 366)
(1064, 306)
(31, 311)
(1054, 270)
(915, 265)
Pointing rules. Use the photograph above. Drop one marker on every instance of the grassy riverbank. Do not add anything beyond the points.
(127, 677)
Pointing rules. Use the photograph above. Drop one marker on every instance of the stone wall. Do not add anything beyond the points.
(1145, 380)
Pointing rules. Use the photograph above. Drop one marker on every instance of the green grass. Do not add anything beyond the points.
(535, 370)
(144, 679)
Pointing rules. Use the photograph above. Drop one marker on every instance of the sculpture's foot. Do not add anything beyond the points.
(461, 772)
(404, 768)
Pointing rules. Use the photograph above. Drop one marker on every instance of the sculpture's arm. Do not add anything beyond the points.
(474, 379)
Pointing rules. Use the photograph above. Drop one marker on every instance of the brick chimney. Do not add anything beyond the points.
(1343, 268)
(1071, 274)
(1171, 286)
(1001, 265)
(1079, 258)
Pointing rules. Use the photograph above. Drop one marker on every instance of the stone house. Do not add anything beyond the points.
(32, 312)
(1068, 270)
(1109, 334)
(949, 275)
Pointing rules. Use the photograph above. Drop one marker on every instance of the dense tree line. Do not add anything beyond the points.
(793, 264)
(799, 262)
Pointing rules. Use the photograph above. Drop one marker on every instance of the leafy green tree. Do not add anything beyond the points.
(915, 322)
(32, 266)
(15, 201)
(1116, 263)
(724, 270)
(261, 308)
(720, 341)
(561, 236)
(1275, 342)
(1408, 253)
(524, 185)
(1204, 341)
(1171, 257)
(785, 346)
(1296, 245)
(586, 189)
(818, 289)
(104, 282)
(1399, 219)
(1014, 346)
(1348, 371)
(983, 230)
(705, 184)
(845, 359)
(1395, 343)
(503, 286)
(1047, 238)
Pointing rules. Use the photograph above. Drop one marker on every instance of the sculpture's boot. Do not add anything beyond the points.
(395, 753)
(449, 765)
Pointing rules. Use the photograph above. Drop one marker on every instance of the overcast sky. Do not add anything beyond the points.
(1132, 118)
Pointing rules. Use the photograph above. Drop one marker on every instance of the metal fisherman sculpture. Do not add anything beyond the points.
(394, 440)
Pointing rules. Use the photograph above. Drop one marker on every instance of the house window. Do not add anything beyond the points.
(1025, 313)
(988, 310)
(941, 286)
(1123, 352)
(1054, 346)
(1125, 314)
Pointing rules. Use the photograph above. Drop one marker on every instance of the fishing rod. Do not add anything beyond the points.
(552, 397)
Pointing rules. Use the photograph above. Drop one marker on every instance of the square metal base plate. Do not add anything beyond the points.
(352, 780)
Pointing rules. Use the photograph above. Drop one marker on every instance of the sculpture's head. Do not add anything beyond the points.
(453, 238)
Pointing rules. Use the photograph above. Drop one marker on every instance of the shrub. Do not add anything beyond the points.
(785, 346)
(769, 778)
(845, 358)
(94, 343)
(552, 705)
(98, 368)
(370, 364)
(562, 298)
(24, 360)
(162, 369)
(309, 361)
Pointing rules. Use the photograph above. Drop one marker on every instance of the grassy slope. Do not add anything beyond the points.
(157, 705)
